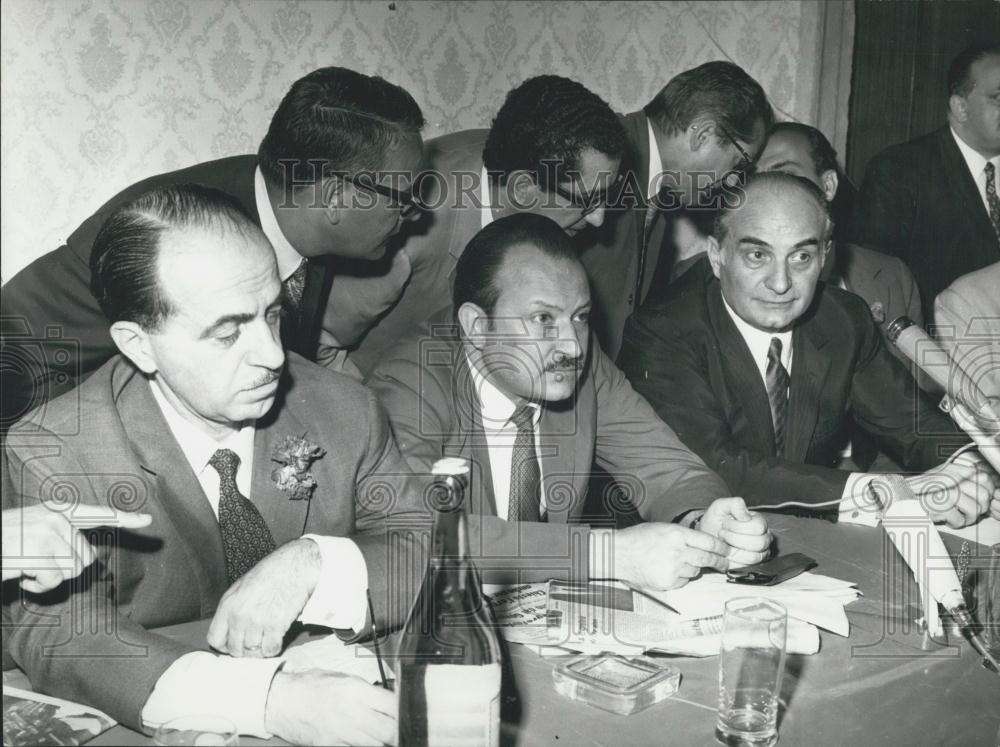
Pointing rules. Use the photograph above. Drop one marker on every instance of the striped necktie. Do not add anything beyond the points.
(294, 285)
(991, 198)
(776, 379)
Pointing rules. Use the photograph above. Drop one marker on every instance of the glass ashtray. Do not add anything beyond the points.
(615, 683)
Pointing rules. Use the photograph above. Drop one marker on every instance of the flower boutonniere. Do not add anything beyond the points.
(295, 455)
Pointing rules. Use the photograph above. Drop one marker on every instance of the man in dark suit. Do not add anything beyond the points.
(513, 382)
(254, 469)
(933, 201)
(762, 374)
(303, 189)
(553, 148)
(704, 126)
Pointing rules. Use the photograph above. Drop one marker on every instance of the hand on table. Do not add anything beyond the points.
(255, 612)
(317, 707)
(743, 531)
(661, 556)
(46, 546)
(959, 493)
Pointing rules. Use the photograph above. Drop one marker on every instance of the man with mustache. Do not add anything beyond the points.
(513, 381)
(764, 371)
(329, 186)
(254, 465)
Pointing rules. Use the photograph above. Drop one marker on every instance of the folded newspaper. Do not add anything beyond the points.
(560, 617)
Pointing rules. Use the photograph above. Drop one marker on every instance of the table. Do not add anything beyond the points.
(876, 687)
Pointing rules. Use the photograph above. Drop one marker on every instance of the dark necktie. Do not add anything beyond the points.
(245, 537)
(776, 380)
(991, 198)
(294, 285)
(525, 474)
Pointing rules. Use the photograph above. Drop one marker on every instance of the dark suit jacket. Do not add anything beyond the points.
(686, 356)
(919, 202)
(620, 265)
(174, 571)
(53, 331)
(428, 391)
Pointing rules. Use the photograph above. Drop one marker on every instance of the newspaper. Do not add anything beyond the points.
(33, 719)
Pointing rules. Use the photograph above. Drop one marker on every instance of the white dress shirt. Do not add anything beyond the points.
(855, 507)
(238, 688)
(977, 167)
(288, 258)
(497, 411)
(485, 210)
(655, 164)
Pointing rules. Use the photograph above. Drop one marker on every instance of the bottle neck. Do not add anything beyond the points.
(451, 547)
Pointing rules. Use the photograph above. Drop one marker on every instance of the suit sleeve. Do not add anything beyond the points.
(672, 373)
(79, 641)
(505, 552)
(640, 450)
(884, 209)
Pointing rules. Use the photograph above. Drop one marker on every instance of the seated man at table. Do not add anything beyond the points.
(514, 382)
(252, 464)
(763, 370)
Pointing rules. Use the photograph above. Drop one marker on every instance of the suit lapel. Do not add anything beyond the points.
(178, 491)
(809, 369)
(742, 374)
(471, 438)
(284, 517)
(319, 279)
(958, 181)
(559, 436)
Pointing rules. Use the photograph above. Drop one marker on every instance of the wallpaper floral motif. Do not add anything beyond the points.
(100, 93)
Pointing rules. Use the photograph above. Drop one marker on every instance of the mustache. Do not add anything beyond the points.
(565, 364)
(265, 378)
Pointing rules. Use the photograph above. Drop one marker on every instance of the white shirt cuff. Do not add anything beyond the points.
(858, 505)
(200, 683)
(340, 599)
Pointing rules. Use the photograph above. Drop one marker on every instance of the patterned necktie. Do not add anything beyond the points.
(525, 474)
(776, 380)
(294, 285)
(991, 198)
(245, 537)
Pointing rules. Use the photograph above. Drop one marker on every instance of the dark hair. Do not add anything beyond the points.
(484, 255)
(823, 155)
(959, 72)
(339, 117)
(123, 262)
(552, 119)
(772, 179)
(719, 90)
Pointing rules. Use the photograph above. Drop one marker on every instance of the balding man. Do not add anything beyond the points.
(761, 370)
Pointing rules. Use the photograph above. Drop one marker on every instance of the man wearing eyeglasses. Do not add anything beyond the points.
(323, 199)
(553, 148)
(695, 137)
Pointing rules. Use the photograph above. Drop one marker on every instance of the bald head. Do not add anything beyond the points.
(764, 191)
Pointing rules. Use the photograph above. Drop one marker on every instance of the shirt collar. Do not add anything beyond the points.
(496, 407)
(759, 341)
(288, 258)
(486, 211)
(655, 164)
(197, 446)
(974, 160)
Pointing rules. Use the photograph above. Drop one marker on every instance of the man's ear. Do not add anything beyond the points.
(830, 182)
(133, 342)
(522, 191)
(714, 255)
(334, 199)
(475, 324)
(701, 132)
(958, 107)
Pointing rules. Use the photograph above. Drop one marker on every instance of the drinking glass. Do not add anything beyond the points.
(197, 731)
(751, 665)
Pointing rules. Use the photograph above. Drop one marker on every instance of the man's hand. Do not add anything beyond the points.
(745, 532)
(255, 612)
(959, 493)
(44, 546)
(662, 556)
(318, 707)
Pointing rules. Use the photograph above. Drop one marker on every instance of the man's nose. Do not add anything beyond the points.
(778, 280)
(266, 350)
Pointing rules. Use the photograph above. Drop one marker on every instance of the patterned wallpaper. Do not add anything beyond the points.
(99, 93)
